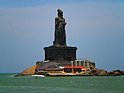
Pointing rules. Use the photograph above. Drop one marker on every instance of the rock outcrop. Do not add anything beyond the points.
(116, 73)
(28, 71)
(95, 72)
(99, 72)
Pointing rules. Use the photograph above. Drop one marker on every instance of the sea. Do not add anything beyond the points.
(75, 84)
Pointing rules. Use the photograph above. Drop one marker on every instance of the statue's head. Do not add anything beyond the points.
(60, 13)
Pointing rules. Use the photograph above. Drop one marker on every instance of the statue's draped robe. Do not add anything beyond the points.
(60, 35)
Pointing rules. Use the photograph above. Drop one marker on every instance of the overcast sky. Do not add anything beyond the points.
(95, 27)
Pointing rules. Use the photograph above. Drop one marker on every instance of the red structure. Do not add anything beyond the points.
(72, 69)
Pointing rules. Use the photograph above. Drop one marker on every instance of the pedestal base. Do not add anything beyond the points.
(54, 53)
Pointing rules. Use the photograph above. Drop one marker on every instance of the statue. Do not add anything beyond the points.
(59, 51)
(60, 35)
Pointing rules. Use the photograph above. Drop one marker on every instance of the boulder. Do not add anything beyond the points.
(116, 73)
(103, 72)
(99, 72)
(28, 71)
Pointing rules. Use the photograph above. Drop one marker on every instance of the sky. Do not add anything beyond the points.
(95, 27)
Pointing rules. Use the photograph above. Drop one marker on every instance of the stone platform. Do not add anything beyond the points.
(54, 53)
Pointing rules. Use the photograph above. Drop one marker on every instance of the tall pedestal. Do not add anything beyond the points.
(54, 53)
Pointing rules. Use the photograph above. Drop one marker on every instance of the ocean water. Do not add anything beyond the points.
(91, 84)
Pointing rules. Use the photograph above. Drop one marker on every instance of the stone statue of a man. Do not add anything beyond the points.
(60, 35)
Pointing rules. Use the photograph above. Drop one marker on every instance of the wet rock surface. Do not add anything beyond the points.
(116, 73)
(99, 72)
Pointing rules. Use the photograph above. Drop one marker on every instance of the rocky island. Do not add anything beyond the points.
(60, 59)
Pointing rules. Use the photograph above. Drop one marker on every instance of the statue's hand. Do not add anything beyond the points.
(64, 23)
